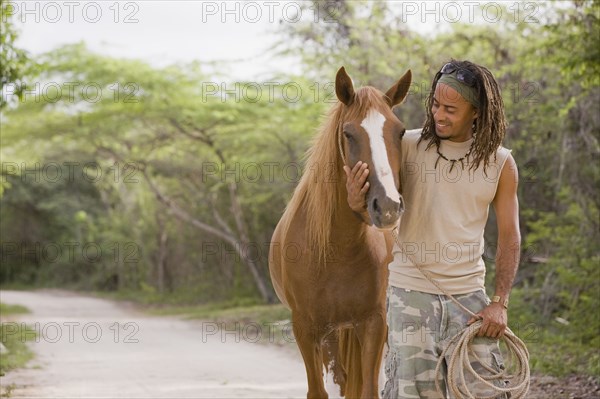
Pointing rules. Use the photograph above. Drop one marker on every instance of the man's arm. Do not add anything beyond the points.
(508, 251)
(506, 205)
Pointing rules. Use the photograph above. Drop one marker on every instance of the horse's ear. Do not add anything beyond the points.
(344, 90)
(398, 92)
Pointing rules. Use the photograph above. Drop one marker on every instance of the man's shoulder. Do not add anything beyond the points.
(503, 151)
(412, 135)
(502, 154)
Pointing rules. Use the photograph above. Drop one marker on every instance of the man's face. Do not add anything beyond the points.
(453, 115)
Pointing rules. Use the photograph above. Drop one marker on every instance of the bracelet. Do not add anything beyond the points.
(504, 303)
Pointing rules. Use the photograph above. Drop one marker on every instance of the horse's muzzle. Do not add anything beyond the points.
(385, 212)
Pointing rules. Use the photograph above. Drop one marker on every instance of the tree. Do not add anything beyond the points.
(14, 61)
(162, 127)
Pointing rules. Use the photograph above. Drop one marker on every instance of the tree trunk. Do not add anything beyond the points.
(162, 254)
(237, 244)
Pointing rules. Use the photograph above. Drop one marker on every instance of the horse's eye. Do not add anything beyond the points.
(402, 133)
(348, 135)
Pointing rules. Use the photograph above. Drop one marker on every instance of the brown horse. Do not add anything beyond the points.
(329, 266)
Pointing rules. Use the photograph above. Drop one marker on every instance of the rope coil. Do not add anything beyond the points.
(459, 363)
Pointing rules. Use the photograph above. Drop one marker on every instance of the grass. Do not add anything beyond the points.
(251, 323)
(6, 309)
(14, 337)
(562, 356)
(555, 348)
(226, 311)
(238, 318)
(234, 310)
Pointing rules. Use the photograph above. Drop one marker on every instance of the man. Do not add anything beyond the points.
(452, 169)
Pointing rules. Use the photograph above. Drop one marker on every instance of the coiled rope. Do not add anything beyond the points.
(459, 363)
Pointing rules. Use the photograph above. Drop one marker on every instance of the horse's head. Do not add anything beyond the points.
(371, 133)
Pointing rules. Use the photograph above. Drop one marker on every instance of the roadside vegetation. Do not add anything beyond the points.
(14, 336)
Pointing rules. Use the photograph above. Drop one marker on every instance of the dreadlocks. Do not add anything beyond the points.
(489, 126)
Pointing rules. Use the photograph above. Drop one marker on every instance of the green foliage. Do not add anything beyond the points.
(557, 144)
(566, 288)
(166, 141)
(15, 336)
(14, 62)
(6, 309)
(562, 355)
(374, 45)
(583, 21)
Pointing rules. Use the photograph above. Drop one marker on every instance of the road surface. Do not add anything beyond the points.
(96, 348)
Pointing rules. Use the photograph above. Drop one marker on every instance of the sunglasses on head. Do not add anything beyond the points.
(463, 75)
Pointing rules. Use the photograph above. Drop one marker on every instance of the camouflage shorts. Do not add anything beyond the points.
(420, 326)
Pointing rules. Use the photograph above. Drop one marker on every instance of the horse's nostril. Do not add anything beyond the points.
(375, 205)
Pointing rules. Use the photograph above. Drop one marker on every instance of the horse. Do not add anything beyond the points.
(327, 265)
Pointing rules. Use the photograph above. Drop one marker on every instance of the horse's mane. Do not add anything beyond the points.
(321, 189)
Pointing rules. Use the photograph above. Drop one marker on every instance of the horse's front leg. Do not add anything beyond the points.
(372, 335)
(308, 337)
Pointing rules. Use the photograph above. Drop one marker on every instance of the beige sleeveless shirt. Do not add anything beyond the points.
(446, 212)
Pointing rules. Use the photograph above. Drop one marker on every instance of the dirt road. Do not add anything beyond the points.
(98, 348)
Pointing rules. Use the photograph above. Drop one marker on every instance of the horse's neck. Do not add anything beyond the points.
(346, 221)
(354, 239)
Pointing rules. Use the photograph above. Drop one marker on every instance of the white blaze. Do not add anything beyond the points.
(373, 124)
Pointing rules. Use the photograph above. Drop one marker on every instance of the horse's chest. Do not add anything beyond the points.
(349, 281)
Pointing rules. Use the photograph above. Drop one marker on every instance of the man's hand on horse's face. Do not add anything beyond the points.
(357, 186)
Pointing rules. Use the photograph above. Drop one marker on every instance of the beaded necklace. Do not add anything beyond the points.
(453, 161)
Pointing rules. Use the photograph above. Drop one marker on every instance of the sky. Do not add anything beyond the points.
(162, 32)
(239, 33)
